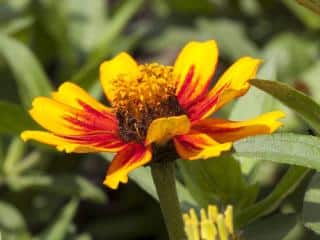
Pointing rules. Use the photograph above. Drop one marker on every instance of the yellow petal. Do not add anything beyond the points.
(230, 131)
(130, 158)
(67, 145)
(199, 146)
(123, 65)
(233, 83)
(194, 69)
(72, 95)
(51, 115)
(235, 79)
(163, 129)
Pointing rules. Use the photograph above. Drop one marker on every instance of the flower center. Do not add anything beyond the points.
(140, 101)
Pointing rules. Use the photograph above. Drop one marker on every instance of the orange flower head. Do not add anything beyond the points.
(152, 105)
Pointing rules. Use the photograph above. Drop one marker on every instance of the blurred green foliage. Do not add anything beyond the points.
(53, 196)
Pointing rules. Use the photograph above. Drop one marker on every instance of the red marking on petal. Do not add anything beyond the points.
(128, 156)
(91, 119)
(199, 107)
(102, 114)
(96, 128)
(187, 82)
(97, 139)
(187, 143)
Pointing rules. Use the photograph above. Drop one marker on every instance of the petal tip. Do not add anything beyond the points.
(24, 136)
(113, 182)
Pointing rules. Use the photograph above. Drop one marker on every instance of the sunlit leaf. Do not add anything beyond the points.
(289, 148)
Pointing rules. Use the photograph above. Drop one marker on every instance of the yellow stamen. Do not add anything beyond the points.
(154, 85)
(140, 100)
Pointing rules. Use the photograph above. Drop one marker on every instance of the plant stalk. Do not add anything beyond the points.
(164, 180)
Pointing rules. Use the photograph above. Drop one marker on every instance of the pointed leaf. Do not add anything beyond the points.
(289, 148)
(306, 107)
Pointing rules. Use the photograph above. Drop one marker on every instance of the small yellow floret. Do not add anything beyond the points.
(212, 224)
(154, 85)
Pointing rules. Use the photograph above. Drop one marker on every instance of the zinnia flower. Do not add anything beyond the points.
(152, 105)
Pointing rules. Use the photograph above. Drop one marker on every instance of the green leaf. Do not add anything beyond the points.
(61, 225)
(294, 149)
(311, 205)
(86, 19)
(309, 18)
(87, 74)
(310, 78)
(142, 177)
(15, 119)
(291, 54)
(306, 107)
(313, 5)
(287, 185)
(209, 183)
(30, 77)
(17, 25)
(67, 185)
(289, 148)
(51, 21)
(12, 222)
(14, 155)
(220, 30)
(275, 227)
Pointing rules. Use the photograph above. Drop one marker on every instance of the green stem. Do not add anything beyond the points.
(164, 180)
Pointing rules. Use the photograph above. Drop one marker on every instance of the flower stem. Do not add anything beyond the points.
(164, 180)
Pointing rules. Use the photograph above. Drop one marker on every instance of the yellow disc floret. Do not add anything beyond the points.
(139, 101)
(154, 85)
